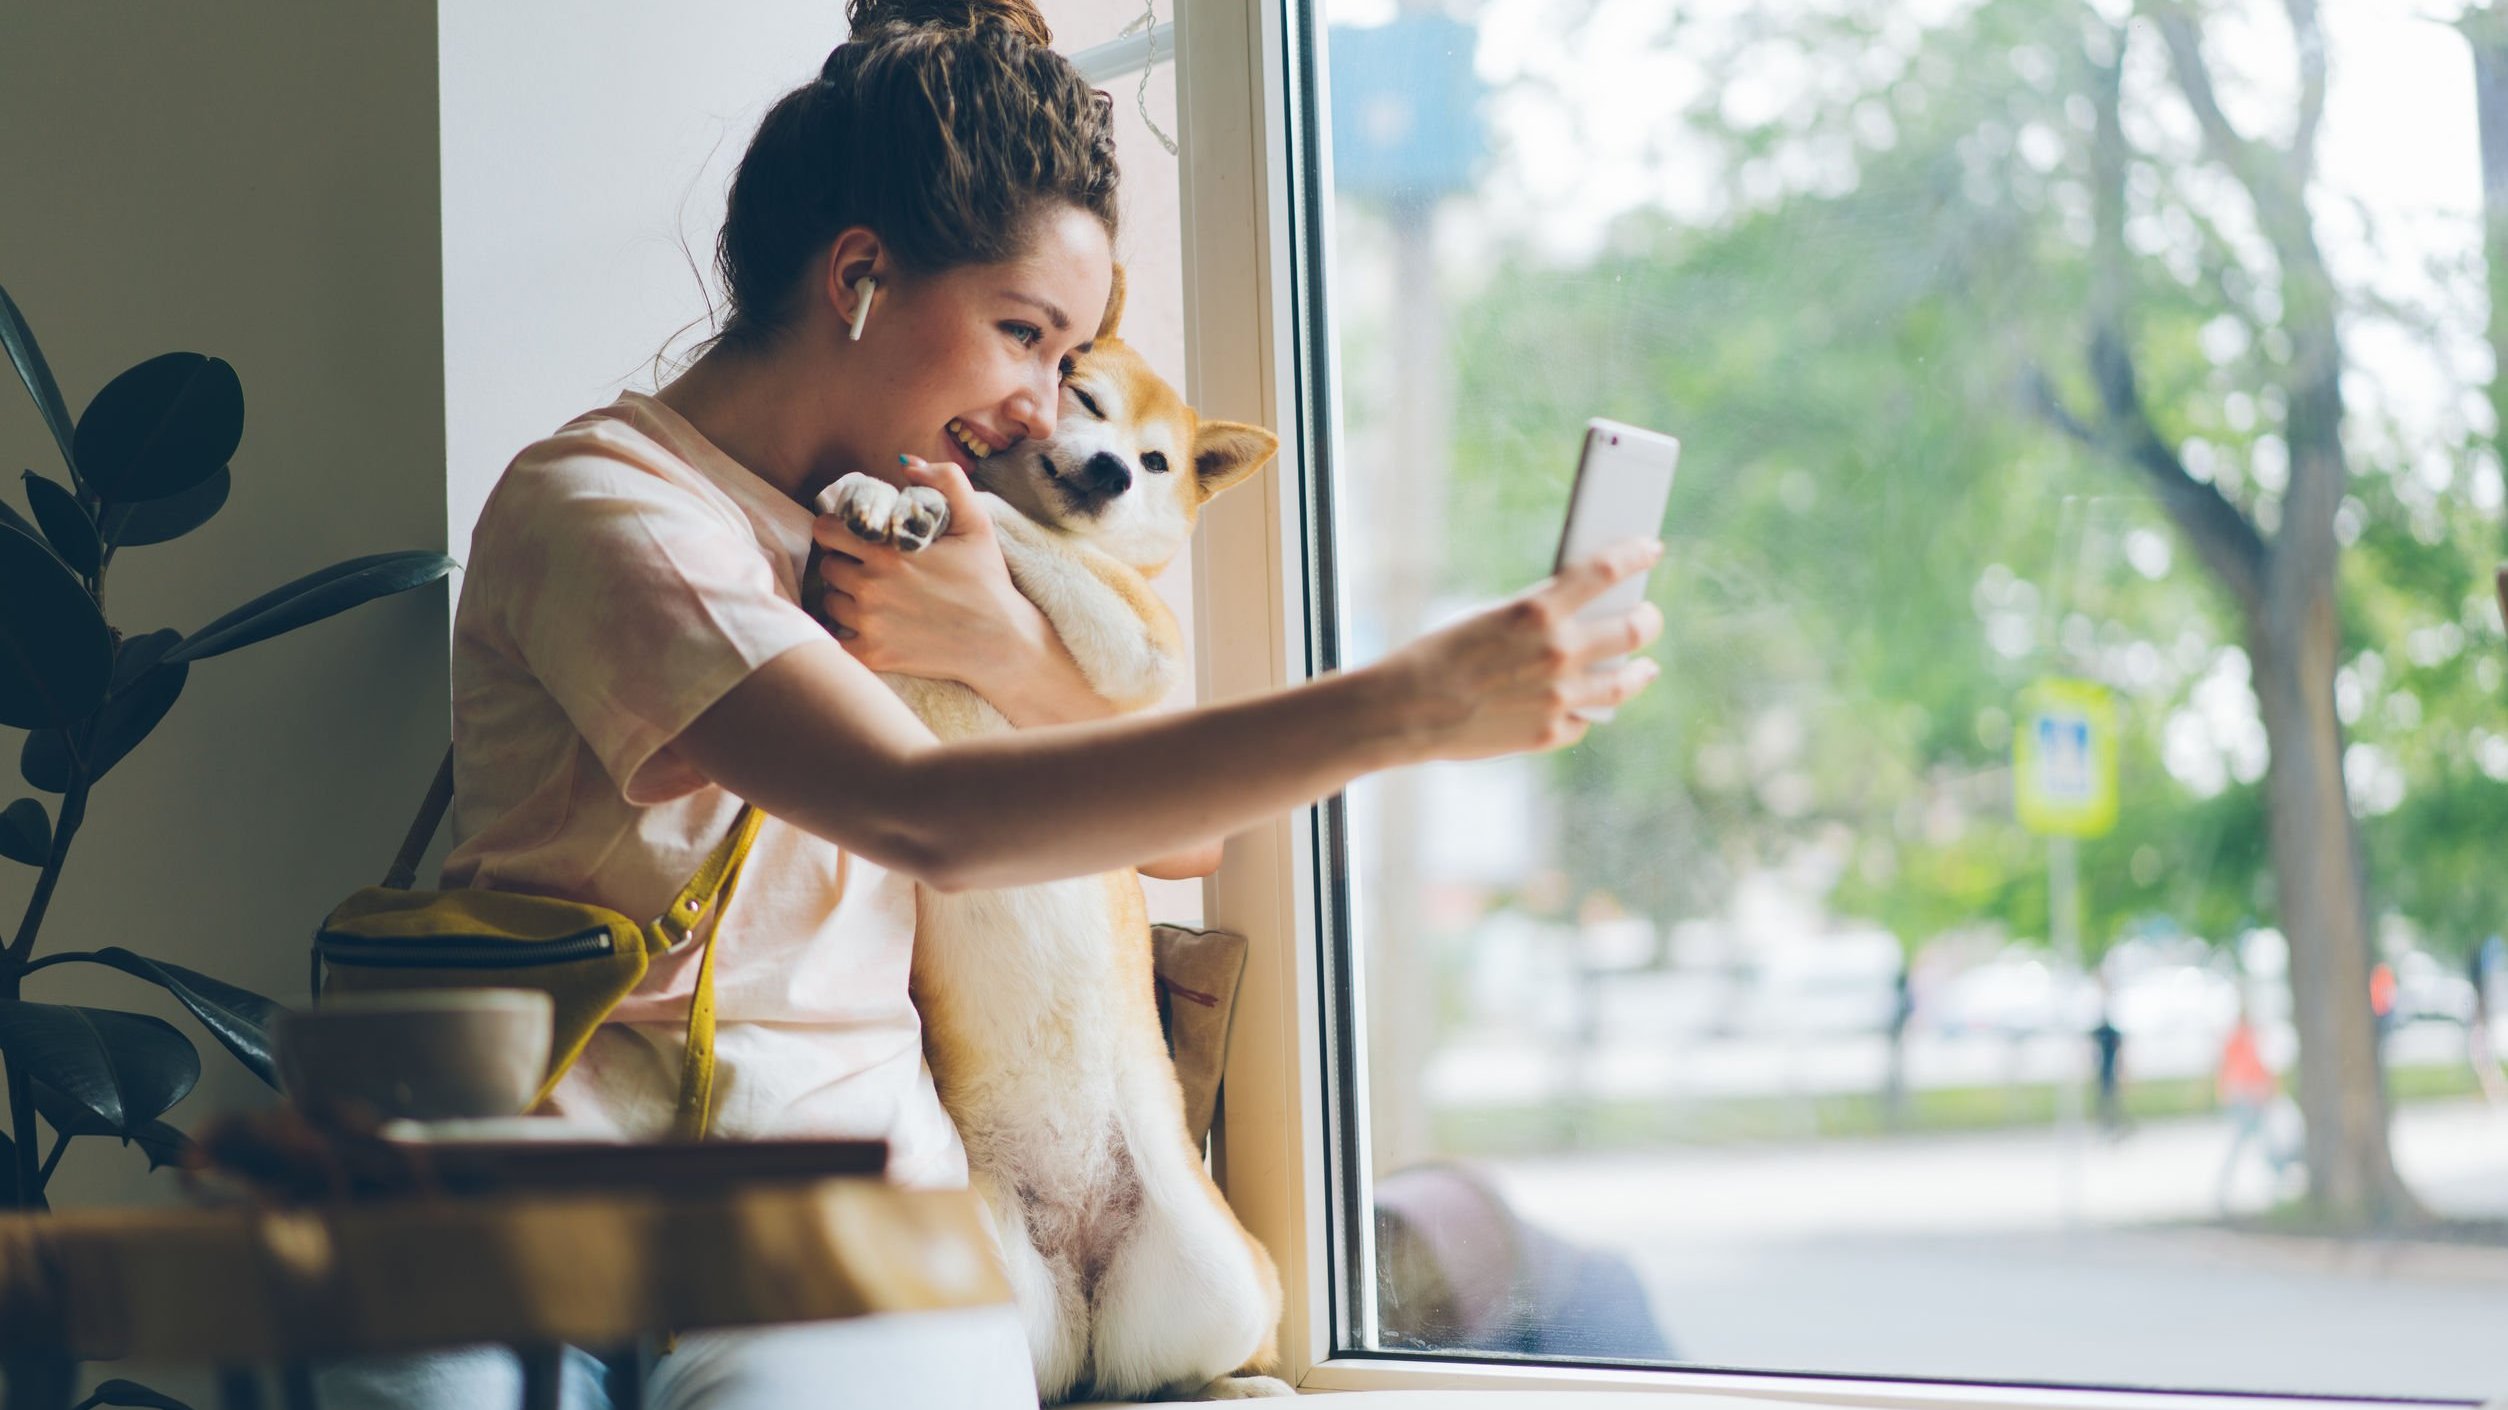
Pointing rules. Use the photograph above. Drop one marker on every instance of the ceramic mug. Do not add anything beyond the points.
(426, 1055)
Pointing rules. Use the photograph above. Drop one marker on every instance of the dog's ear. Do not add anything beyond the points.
(1114, 308)
(1225, 452)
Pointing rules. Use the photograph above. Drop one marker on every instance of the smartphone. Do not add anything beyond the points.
(1623, 485)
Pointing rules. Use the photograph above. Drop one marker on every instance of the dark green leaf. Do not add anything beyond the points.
(236, 1017)
(143, 691)
(311, 598)
(66, 526)
(140, 651)
(44, 760)
(161, 427)
(123, 1068)
(66, 1115)
(37, 375)
(55, 652)
(129, 1393)
(18, 521)
(164, 1144)
(129, 715)
(161, 520)
(25, 832)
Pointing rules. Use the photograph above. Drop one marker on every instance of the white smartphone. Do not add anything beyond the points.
(1623, 485)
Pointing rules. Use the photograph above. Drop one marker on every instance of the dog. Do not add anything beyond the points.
(1040, 1019)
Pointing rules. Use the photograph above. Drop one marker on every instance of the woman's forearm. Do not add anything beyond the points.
(1045, 686)
(813, 739)
(1046, 803)
(1188, 865)
(1041, 683)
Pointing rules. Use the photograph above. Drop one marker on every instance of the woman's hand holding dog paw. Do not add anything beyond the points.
(944, 612)
(948, 611)
(1519, 676)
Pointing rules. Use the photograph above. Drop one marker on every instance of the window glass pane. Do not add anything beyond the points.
(2045, 923)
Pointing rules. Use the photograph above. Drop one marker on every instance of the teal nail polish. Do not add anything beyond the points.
(901, 459)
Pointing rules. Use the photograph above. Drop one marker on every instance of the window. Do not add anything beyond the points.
(2055, 391)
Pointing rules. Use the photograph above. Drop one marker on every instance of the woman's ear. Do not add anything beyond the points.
(1114, 308)
(855, 255)
(1225, 452)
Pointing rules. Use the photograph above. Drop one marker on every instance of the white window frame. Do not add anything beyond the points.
(1237, 81)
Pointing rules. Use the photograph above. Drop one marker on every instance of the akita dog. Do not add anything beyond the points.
(1039, 1015)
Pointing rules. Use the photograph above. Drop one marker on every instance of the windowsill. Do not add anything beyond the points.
(1416, 1383)
(1496, 1401)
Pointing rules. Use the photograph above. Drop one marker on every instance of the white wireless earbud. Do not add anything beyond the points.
(862, 305)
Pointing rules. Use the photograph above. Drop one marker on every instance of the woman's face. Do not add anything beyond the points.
(967, 362)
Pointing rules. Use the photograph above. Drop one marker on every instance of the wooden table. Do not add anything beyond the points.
(595, 1258)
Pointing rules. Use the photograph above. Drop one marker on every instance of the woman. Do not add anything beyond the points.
(915, 247)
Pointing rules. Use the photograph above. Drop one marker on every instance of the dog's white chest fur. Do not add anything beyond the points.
(1042, 1030)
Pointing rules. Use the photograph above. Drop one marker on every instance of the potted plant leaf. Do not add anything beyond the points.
(145, 463)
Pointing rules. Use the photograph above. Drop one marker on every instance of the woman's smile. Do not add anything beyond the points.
(977, 443)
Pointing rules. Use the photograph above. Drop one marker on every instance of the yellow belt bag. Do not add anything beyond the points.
(587, 958)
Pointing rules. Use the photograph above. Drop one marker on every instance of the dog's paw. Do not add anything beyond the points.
(866, 504)
(921, 515)
(1245, 1388)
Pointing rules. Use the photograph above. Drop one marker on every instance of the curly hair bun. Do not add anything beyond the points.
(944, 126)
(1020, 17)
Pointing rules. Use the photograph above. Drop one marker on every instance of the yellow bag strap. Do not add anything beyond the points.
(713, 880)
(712, 886)
(404, 872)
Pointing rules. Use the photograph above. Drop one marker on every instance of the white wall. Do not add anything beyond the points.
(256, 182)
(587, 146)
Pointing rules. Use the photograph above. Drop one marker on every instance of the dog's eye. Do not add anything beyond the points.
(1154, 462)
(1088, 403)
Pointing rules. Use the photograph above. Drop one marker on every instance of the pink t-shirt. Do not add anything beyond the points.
(624, 576)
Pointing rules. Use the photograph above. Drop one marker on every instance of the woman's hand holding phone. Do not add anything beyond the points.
(1521, 675)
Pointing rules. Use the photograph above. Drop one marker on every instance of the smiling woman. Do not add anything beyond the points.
(917, 251)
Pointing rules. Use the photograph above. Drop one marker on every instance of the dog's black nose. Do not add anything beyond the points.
(1106, 475)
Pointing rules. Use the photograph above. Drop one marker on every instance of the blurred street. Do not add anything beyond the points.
(1517, 1070)
(1980, 1256)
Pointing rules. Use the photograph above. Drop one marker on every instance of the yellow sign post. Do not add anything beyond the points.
(2064, 759)
(2064, 788)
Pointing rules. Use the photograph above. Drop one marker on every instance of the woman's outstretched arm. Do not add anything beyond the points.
(815, 739)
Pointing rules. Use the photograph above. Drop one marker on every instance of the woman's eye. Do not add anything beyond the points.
(1026, 335)
(1154, 462)
(1088, 403)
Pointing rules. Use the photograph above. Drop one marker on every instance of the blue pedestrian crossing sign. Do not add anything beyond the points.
(1406, 120)
(2064, 759)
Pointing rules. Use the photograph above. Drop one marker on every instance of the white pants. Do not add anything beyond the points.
(966, 1360)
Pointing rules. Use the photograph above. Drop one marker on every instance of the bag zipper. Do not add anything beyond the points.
(472, 954)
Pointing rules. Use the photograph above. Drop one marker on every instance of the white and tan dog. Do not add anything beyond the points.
(1039, 1015)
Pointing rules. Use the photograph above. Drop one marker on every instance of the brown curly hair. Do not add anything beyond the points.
(943, 126)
